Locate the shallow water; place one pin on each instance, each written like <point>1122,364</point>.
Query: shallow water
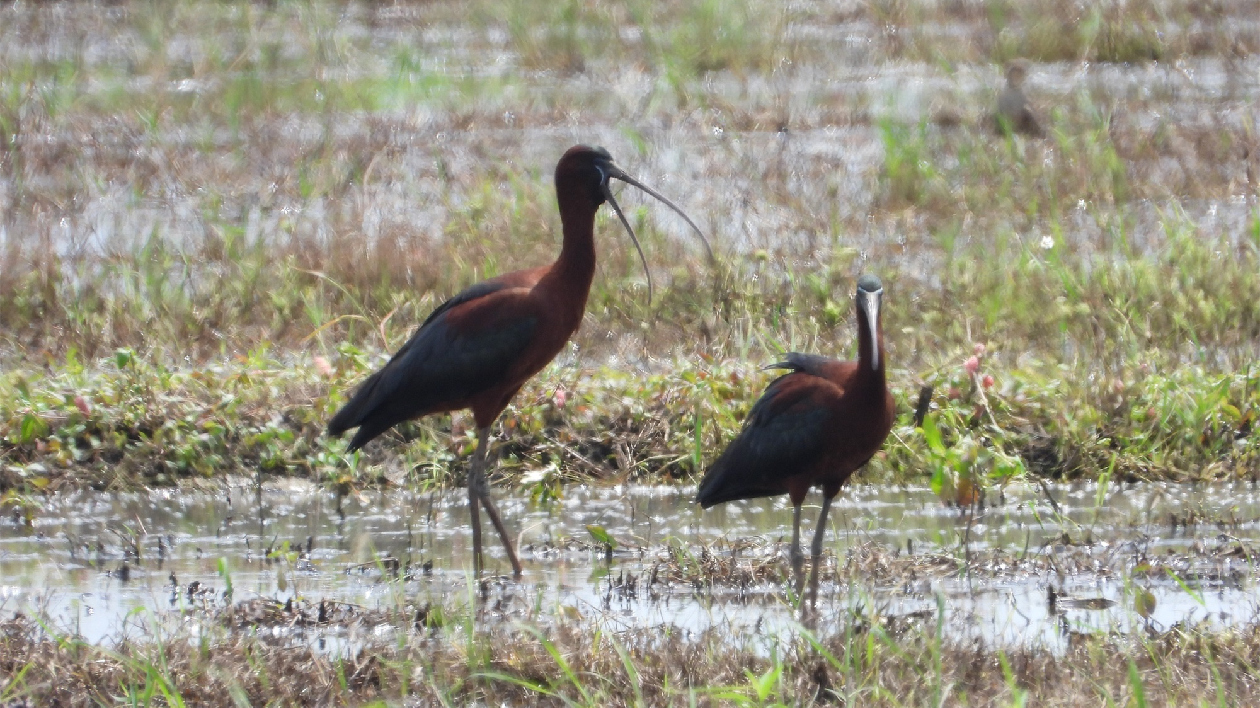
<point>899,552</point>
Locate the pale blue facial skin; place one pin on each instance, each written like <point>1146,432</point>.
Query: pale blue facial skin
<point>870,292</point>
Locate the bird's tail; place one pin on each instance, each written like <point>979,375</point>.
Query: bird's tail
<point>731,478</point>
<point>354,412</point>
<point>712,487</point>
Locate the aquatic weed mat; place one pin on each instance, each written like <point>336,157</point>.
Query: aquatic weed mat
<point>125,421</point>
<point>579,663</point>
<point>1119,554</point>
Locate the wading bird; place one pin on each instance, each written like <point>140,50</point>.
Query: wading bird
<point>1014,113</point>
<point>478,348</point>
<point>814,426</point>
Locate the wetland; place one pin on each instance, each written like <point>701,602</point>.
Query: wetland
<point>217,218</point>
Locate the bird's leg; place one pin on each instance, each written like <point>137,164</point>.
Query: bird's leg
<point>798,558</point>
<point>491,511</point>
<point>816,551</point>
<point>476,480</point>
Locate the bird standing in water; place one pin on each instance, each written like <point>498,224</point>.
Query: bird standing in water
<point>478,348</point>
<point>1014,113</point>
<point>814,426</point>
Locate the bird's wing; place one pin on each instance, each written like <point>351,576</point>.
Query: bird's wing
<point>467,346</point>
<point>468,294</point>
<point>809,363</point>
<point>784,434</point>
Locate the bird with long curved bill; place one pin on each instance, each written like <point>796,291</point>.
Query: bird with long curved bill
<point>814,426</point>
<point>478,348</point>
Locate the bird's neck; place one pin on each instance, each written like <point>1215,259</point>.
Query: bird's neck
<point>575,268</point>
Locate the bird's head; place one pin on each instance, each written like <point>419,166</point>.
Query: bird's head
<point>585,169</point>
<point>591,169</point>
<point>870,292</point>
<point>1016,72</point>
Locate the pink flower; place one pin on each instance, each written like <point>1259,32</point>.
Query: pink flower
<point>559,398</point>
<point>972,365</point>
<point>987,381</point>
<point>323,367</point>
<point>82,404</point>
<point>978,350</point>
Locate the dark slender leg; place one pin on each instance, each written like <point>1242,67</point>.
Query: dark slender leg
<point>483,491</point>
<point>475,481</point>
<point>798,558</point>
<point>816,551</point>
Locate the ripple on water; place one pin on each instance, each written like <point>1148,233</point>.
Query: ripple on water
<point>893,553</point>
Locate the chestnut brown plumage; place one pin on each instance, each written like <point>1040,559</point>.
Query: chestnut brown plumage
<point>814,426</point>
<point>478,348</point>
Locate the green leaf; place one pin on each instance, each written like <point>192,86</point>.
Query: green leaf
<point>1135,681</point>
<point>601,536</point>
<point>72,360</point>
<point>32,427</point>
<point>764,684</point>
<point>938,480</point>
<point>226,574</point>
<point>932,434</point>
<point>1143,602</point>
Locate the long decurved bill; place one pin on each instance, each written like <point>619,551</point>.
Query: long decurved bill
<point>614,171</point>
<point>869,302</point>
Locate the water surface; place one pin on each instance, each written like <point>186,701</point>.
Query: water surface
<point>894,555</point>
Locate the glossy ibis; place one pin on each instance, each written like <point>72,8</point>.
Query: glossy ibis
<point>814,426</point>
<point>1014,113</point>
<point>478,348</point>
